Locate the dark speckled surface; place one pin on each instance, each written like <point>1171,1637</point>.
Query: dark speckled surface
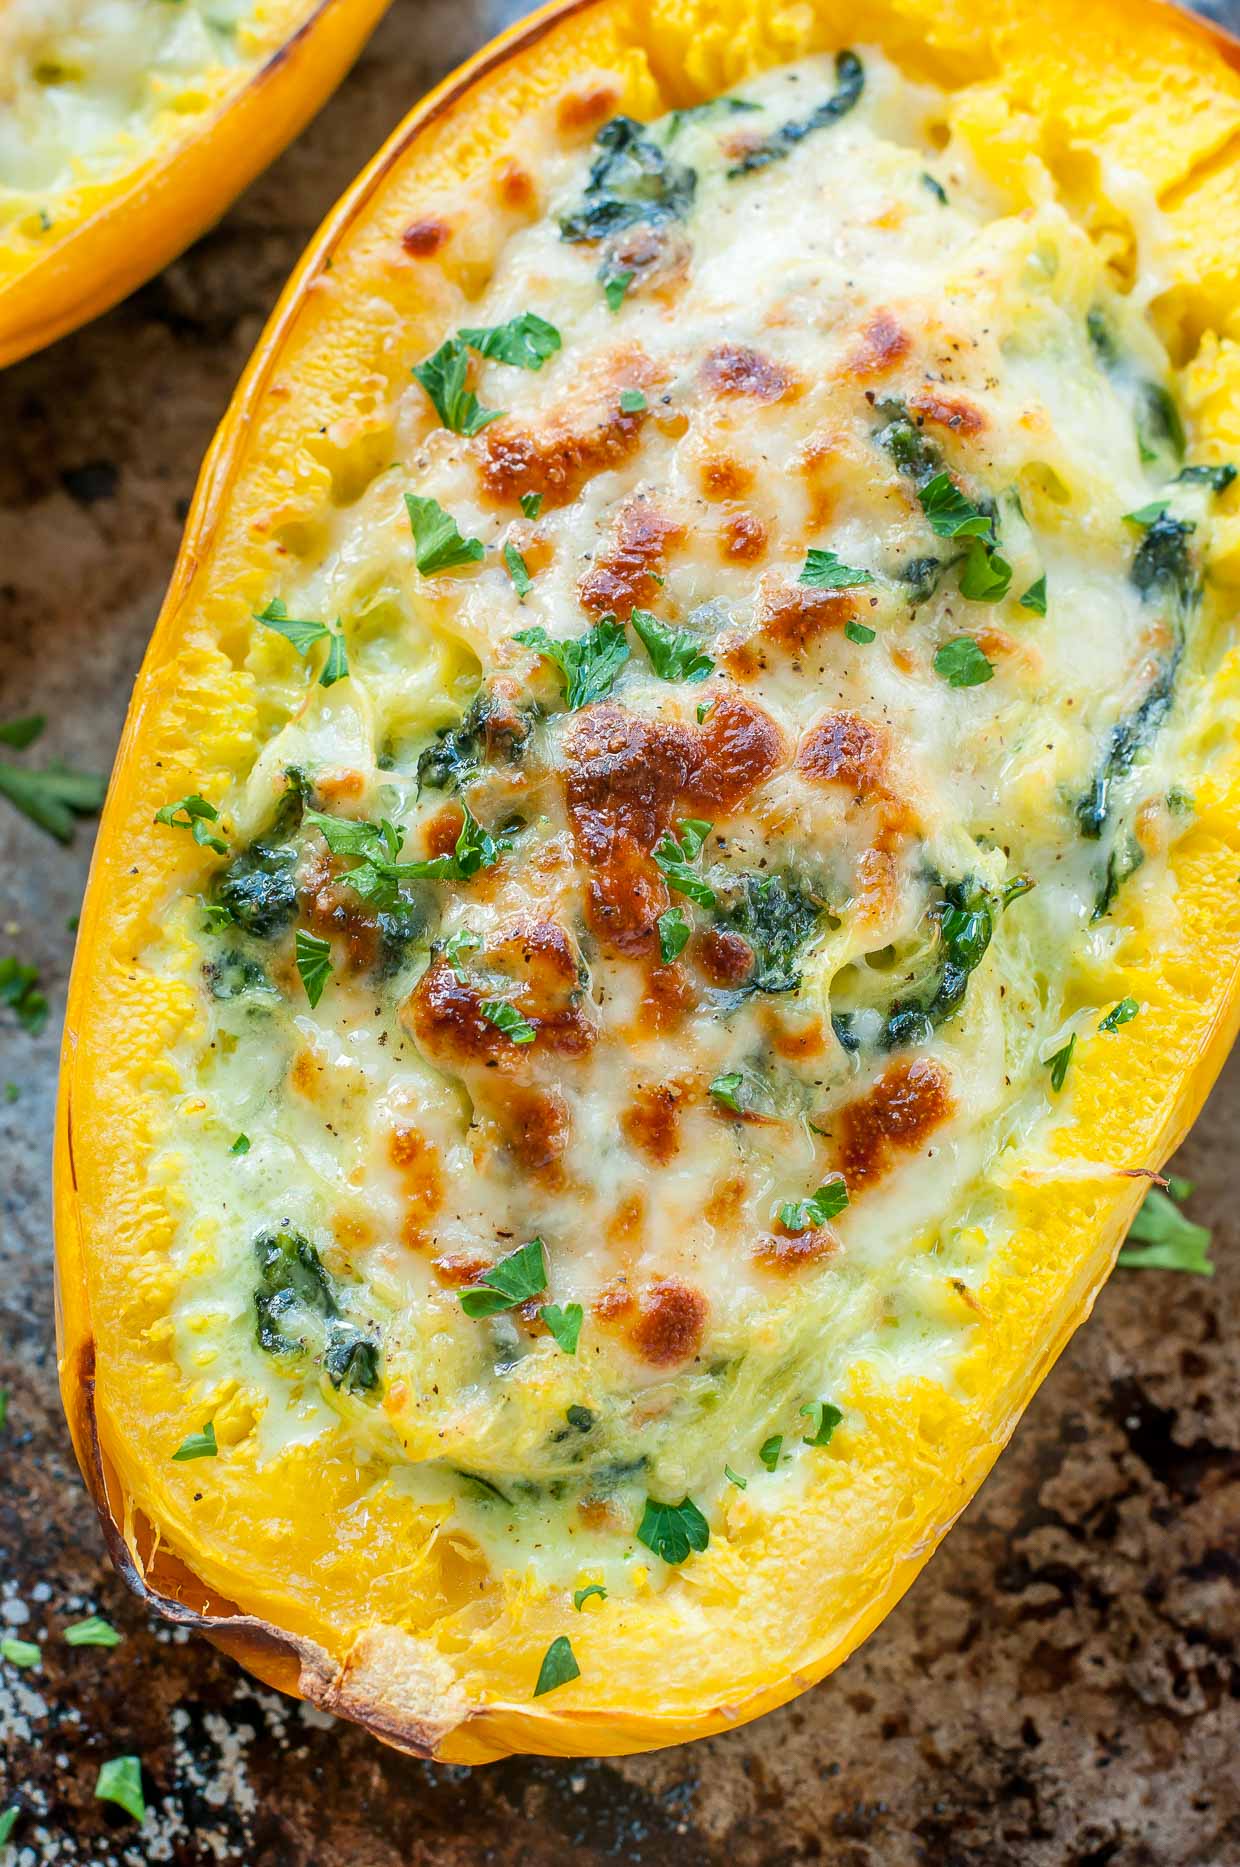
<point>1062,1686</point>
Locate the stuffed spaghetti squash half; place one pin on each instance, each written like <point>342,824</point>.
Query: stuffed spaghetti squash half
<point>673,870</point>
<point>128,126</point>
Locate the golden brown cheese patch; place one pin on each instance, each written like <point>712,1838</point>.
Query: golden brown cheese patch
<point>882,344</point>
<point>625,776</point>
<point>585,436</point>
<point>947,411</point>
<point>895,1116</point>
<point>624,576</point>
<point>417,1161</point>
<point>424,237</point>
<point>844,749</point>
<point>663,1327</point>
<point>652,1121</point>
<point>789,620</point>
<point>735,369</point>
<point>785,1253</point>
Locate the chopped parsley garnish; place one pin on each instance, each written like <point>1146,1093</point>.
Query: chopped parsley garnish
<point>1146,515</point>
<point>675,654</point>
<point>588,663</point>
<point>437,541</point>
<point>949,513</point>
<point>859,632</point>
<point>558,1667</point>
<point>522,582</point>
<point>526,341</point>
<point>827,1203</point>
<point>21,733</point>
<point>197,1446</point>
<point>615,285</point>
<point>304,634</point>
<point>770,1449</point>
<point>241,1145</point>
<point>194,814</point>
<point>531,504</point>
<point>674,932</point>
<point>19,990</point>
<point>515,1279</point>
<point>564,1324</point>
<point>52,797</point>
<point>936,187</point>
<point>742,1484</point>
<point>674,853</point>
<point>506,1018</point>
<point>1035,597</point>
<point>94,1631</point>
<point>377,878</point>
<point>21,1653</point>
<point>120,1781</point>
<point>726,1089</point>
<point>314,963</point>
<point>455,948</point>
<point>849,82</point>
<point>822,570</point>
<point>961,663</point>
<point>823,1420</point>
<point>1058,1064</point>
<point>632,401</point>
<point>986,576</point>
<point>1123,1013</point>
<point>673,1530</point>
<point>443,375</point>
<point>1162,1238</point>
<point>582,1595</point>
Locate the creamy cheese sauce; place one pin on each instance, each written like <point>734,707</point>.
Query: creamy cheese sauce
<point>913,790</point>
<point>83,82</point>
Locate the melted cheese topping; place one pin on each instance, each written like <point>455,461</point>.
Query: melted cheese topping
<point>912,790</point>
<point>87,86</point>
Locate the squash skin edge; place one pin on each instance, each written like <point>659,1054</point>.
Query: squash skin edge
<point>474,1733</point>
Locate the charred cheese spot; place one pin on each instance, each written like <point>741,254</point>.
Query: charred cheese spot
<point>735,369</point>
<point>416,1160</point>
<point>585,437</point>
<point>624,577</point>
<point>897,1115</point>
<point>725,958</point>
<point>742,539</point>
<point>738,748</point>
<point>663,1327</point>
<point>652,1121</point>
<point>790,620</point>
<point>422,238</point>
<point>844,749</point>
<point>948,411</point>
<point>515,186</point>
<point>536,1125</point>
<point>785,1253</point>
<point>586,106</point>
<point>883,343</point>
<point>724,477</point>
<point>443,830</point>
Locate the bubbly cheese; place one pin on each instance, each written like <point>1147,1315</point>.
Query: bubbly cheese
<point>858,503</point>
<point>87,87</point>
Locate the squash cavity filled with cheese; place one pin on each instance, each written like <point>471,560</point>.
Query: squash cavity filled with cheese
<point>668,876</point>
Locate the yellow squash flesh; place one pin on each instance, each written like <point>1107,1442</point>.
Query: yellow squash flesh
<point>1127,85</point>
<point>112,231</point>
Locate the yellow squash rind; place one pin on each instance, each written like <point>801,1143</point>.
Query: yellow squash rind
<point>813,1589</point>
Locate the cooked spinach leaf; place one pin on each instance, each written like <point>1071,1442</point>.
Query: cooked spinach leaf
<point>631,180</point>
<point>849,84</point>
<point>258,889</point>
<point>778,916</point>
